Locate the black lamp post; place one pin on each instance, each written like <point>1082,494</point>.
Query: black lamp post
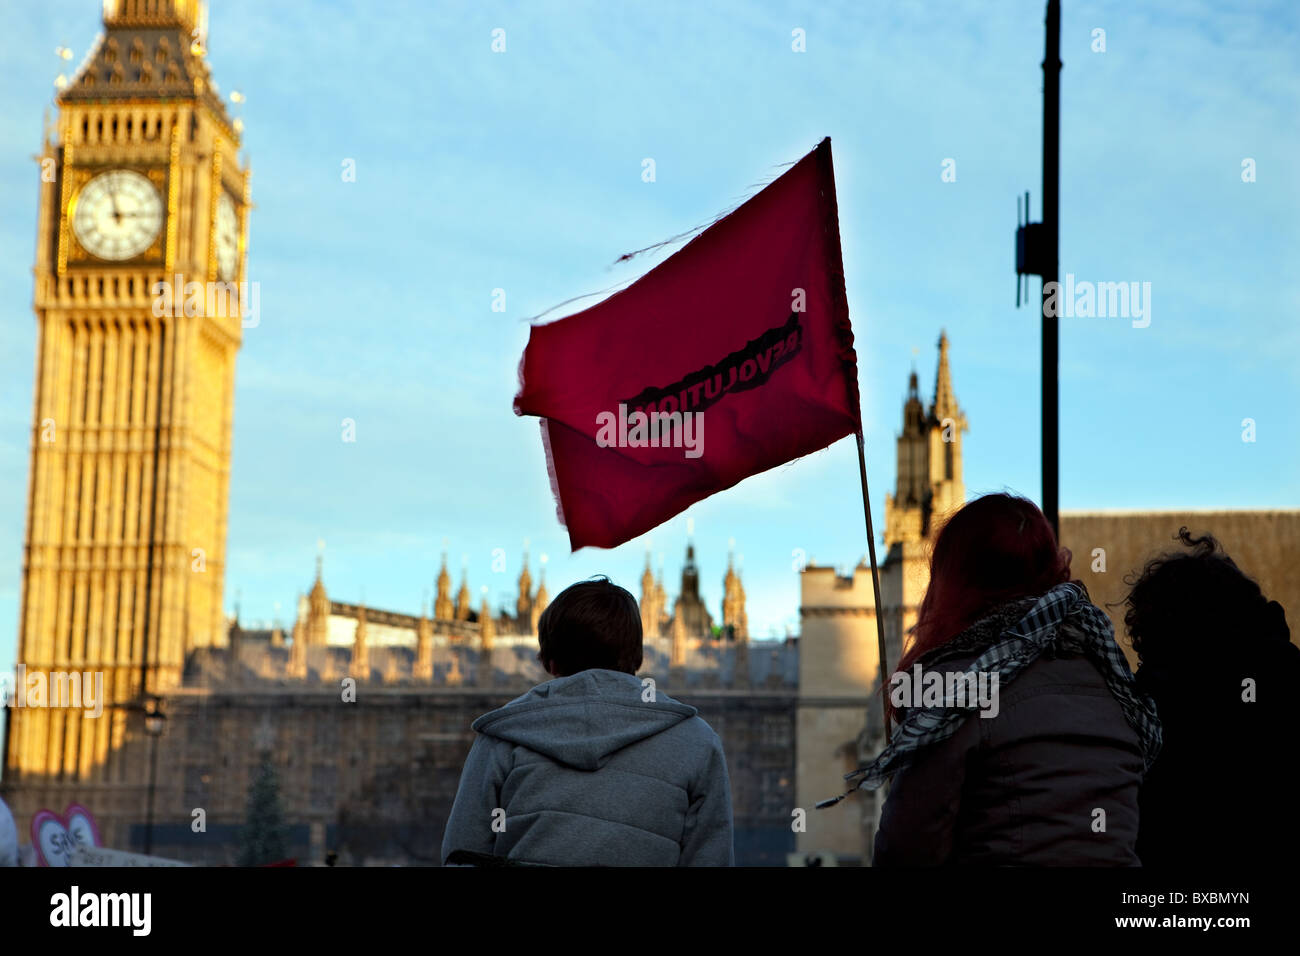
<point>1038,253</point>
<point>154,722</point>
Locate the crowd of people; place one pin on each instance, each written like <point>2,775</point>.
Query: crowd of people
<point>1081,762</point>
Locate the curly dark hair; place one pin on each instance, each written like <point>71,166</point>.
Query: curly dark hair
<point>1186,604</point>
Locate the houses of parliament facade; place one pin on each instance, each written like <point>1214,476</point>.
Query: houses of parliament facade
<point>125,542</point>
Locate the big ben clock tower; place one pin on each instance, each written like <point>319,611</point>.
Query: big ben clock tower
<point>142,202</point>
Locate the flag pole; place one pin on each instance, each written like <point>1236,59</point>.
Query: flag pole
<point>875,578</point>
<point>831,208</point>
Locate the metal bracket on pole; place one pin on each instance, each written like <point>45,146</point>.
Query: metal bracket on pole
<point>1031,248</point>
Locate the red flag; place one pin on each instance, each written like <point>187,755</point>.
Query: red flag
<point>731,357</point>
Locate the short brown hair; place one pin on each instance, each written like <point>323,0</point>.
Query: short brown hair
<point>594,623</point>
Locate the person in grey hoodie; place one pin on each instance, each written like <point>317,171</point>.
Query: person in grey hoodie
<point>595,767</point>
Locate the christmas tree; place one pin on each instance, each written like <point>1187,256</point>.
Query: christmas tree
<point>263,839</point>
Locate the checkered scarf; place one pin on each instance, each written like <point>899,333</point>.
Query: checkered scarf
<point>1008,641</point>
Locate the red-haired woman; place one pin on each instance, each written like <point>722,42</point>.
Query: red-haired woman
<point>1021,738</point>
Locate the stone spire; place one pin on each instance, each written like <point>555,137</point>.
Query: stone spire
<point>651,603</point>
<point>945,403</point>
<point>462,596</point>
<point>424,647</point>
<point>647,578</point>
<point>524,603</point>
<point>234,667</point>
<point>318,605</point>
<point>442,606</point>
<point>661,600</point>
<point>688,606</point>
<point>690,574</point>
<point>487,634</point>
<point>678,658</point>
<point>454,677</point>
<point>947,422</point>
<point>360,665</point>
<point>733,599</point>
<point>487,628</point>
<point>298,652</point>
<point>929,470</point>
<point>392,669</point>
<point>677,654</point>
<point>542,599</point>
<point>913,472</point>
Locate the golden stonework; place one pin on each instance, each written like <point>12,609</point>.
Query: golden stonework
<point>73,251</point>
<point>125,542</point>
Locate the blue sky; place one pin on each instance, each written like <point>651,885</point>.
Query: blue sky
<point>522,171</point>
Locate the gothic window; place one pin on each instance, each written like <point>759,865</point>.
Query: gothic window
<point>776,731</point>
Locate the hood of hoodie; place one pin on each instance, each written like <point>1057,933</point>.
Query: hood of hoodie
<point>583,719</point>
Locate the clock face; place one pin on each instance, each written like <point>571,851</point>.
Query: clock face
<point>227,237</point>
<point>117,215</point>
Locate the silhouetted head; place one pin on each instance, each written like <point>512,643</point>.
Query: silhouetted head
<point>1188,607</point>
<point>593,623</point>
<point>995,549</point>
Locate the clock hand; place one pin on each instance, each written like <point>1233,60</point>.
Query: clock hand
<point>112,197</point>
<point>134,214</point>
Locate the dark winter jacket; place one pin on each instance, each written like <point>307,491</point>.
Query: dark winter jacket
<point>585,771</point>
<point>1221,793</point>
<point>1051,780</point>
